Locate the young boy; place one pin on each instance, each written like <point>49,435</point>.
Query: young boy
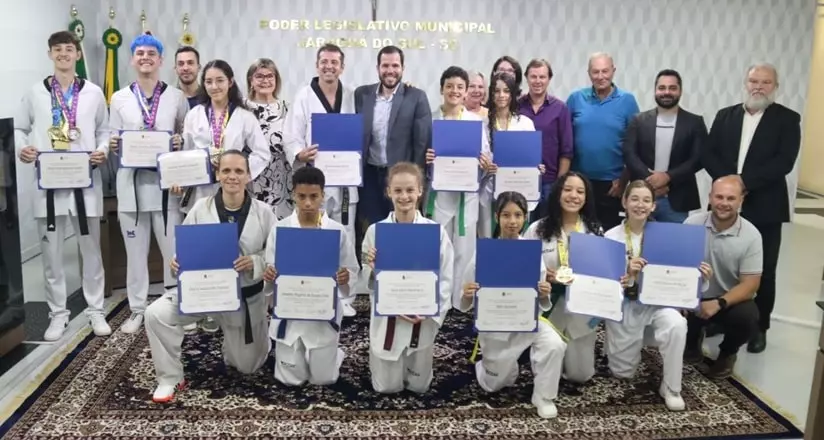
<point>308,350</point>
<point>66,113</point>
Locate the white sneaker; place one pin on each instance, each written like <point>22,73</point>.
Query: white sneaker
<point>547,410</point>
<point>190,328</point>
<point>209,325</point>
<point>166,393</point>
<point>132,325</point>
<point>57,327</point>
<point>672,399</point>
<point>348,310</point>
<point>99,325</point>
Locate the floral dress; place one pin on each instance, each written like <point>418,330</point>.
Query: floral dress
<point>274,185</point>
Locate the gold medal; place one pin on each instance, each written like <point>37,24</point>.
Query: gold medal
<point>58,138</point>
<point>564,275</point>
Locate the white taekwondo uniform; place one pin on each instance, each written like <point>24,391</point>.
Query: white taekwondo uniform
<point>460,222</point>
<point>580,330</point>
<point>487,197</point>
<point>55,210</point>
<point>661,327</point>
<point>245,333</point>
<point>400,354</point>
<point>242,133</point>
<point>499,367</point>
<point>142,206</point>
<point>308,350</point>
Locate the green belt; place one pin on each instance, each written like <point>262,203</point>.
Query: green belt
<point>430,209</point>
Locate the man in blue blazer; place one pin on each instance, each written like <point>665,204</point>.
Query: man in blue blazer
<point>397,128</point>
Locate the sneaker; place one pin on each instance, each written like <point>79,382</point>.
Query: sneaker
<point>547,410</point>
<point>99,325</point>
<point>348,310</point>
<point>672,399</point>
<point>57,327</point>
<point>132,325</point>
<point>166,393</point>
<point>209,325</point>
<point>190,328</point>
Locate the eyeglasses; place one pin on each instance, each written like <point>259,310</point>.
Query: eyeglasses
<point>261,77</point>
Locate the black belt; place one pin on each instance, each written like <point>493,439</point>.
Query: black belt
<point>282,327</point>
<point>631,292</point>
<point>344,208</point>
<point>165,203</point>
<point>249,292</point>
<point>80,202</point>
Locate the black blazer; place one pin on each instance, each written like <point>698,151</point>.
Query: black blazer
<point>685,157</point>
<point>771,156</point>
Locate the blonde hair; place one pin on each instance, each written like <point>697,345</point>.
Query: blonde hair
<point>262,63</point>
<point>635,184</point>
<point>404,167</point>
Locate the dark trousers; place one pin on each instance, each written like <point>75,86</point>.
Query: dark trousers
<point>765,298</point>
<point>608,208</point>
<point>738,322</point>
<point>373,203</point>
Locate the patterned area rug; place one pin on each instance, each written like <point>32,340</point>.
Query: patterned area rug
<point>103,391</point>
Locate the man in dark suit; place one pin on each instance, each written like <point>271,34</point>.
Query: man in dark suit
<point>397,128</point>
<point>663,147</point>
<point>759,141</point>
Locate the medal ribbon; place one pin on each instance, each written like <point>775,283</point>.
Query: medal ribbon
<point>630,250</point>
<point>66,103</point>
<point>218,131</point>
<point>563,252</point>
<point>149,113</point>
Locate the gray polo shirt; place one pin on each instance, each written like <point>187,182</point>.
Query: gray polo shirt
<point>733,252</point>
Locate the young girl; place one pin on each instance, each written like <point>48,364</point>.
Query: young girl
<point>503,116</point>
<point>571,209</point>
<point>499,367</point>
<point>221,122</point>
<point>395,361</point>
<point>669,329</point>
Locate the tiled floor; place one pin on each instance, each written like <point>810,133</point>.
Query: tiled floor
<point>782,374</point>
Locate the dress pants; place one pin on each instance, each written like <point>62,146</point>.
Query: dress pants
<point>765,297</point>
<point>739,322</point>
<point>608,208</point>
<point>164,327</point>
<point>137,239</point>
<point>51,246</point>
<point>499,366</point>
<point>659,327</point>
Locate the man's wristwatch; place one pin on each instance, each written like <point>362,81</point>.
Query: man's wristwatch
<point>722,303</point>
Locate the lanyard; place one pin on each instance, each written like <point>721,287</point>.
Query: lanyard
<point>563,242</point>
<point>149,110</point>
<point>630,250</point>
<point>64,104</point>
<point>218,130</point>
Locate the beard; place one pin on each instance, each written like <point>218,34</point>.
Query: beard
<point>759,102</point>
<point>667,101</point>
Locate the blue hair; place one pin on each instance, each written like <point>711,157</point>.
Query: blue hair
<point>147,39</point>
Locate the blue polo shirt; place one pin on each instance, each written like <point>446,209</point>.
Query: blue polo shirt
<point>598,129</point>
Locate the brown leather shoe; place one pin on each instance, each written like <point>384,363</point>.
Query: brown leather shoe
<point>723,366</point>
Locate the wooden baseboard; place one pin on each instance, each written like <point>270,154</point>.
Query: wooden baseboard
<point>11,339</point>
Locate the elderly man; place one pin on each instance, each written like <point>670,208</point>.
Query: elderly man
<point>758,141</point>
<point>734,252</point>
<point>600,116</point>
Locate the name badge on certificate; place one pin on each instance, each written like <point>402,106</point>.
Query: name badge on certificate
<point>670,286</point>
<point>341,168</point>
<point>520,180</point>
<point>184,168</point>
<point>506,310</point>
<point>209,291</point>
<point>455,174</point>
<point>139,149</point>
<point>407,293</point>
<point>305,298</point>
<point>64,170</point>
<point>598,297</point>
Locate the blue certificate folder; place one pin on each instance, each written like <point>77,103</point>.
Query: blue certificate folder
<point>39,175</point>
<point>674,244</point>
<point>455,138</point>
<point>517,149</point>
<point>206,247</point>
<point>337,131</point>
<point>413,247</point>
<point>596,256</point>
<point>307,253</point>
<point>508,264</point>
